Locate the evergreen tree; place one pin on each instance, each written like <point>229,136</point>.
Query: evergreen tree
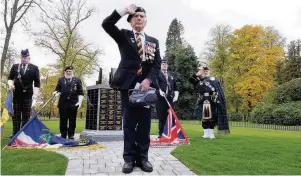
<point>186,65</point>
<point>174,38</point>
<point>293,63</point>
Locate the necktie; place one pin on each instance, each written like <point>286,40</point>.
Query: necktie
<point>166,77</point>
<point>23,69</point>
<point>140,49</point>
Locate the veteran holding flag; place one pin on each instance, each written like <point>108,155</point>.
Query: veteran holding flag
<point>168,88</point>
<point>20,81</point>
<point>70,90</point>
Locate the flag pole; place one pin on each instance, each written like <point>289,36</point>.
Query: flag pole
<point>164,94</point>
<point>50,99</point>
<point>173,112</point>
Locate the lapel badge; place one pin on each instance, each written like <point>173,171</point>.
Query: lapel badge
<point>133,40</point>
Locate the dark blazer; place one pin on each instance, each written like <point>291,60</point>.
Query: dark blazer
<point>126,74</point>
<point>163,83</point>
<point>69,90</point>
<point>31,75</point>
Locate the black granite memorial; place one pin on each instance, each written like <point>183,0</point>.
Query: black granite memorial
<point>103,113</point>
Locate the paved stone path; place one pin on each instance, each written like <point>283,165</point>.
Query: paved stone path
<point>109,161</point>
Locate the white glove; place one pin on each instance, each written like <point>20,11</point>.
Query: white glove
<point>161,93</point>
<point>80,101</point>
<point>34,101</point>
<point>36,91</point>
<point>176,96</point>
<point>35,96</point>
<point>56,93</point>
<point>10,84</point>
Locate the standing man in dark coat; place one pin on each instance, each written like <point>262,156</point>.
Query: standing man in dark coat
<point>71,97</point>
<point>25,96</point>
<point>139,67</point>
<point>168,88</point>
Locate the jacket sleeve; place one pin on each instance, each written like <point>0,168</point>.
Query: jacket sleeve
<point>37,82</point>
<point>175,85</point>
<point>153,74</point>
<point>109,25</point>
<point>80,90</point>
<point>11,73</point>
<point>58,86</point>
<point>194,79</point>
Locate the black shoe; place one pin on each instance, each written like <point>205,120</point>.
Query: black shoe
<point>145,166</point>
<point>160,135</point>
<point>71,137</point>
<point>128,167</point>
<point>63,136</point>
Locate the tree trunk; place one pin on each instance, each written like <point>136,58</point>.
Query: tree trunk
<point>5,49</point>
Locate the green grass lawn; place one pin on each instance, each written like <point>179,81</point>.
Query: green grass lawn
<point>246,151</point>
<point>33,161</point>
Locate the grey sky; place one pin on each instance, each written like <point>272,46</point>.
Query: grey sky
<point>197,17</point>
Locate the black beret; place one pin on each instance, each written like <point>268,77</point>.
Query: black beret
<point>164,60</point>
<point>68,68</point>
<point>139,9</point>
<point>203,66</point>
<point>206,68</point>
<point>25,53</point>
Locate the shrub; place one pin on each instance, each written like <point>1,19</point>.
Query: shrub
<point>290,91</point>
<point>279,114</point>
<point>236,117</point>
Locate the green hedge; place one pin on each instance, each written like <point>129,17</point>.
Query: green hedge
<point>279,114</point>
<point>236,117</point>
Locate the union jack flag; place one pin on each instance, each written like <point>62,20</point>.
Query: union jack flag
<point>173,133</point>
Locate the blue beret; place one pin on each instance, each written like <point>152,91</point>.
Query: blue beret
<point>25,53</point>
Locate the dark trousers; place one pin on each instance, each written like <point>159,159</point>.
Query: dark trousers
<point>67,112</point>
<point>136,129</point>
<point>22,109</point>
<point>162,112</point>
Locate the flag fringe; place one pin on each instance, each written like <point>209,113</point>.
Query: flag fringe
<point>88,147</point>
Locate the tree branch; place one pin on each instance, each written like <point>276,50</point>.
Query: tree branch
<point>24,11</point>
<point>20,7</point>
<point>46,44</point>
<point>5,15</point>
<point>78,51</point>
<point>40,7</point>
<point>53,34</point>
<point>89,13</point>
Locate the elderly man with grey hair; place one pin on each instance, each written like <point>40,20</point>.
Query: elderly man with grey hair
<point>139,67</point>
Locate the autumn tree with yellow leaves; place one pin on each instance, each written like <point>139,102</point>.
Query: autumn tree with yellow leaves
<point>254,52</point>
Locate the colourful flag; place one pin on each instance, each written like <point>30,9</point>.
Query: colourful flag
<point>173,133</point>
<point>8,109</point>
<point>36,135</point>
